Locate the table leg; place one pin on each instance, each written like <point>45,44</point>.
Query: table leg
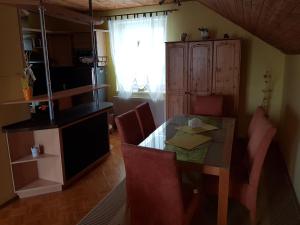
<point>223,197</point>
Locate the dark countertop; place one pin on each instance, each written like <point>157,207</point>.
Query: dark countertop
<point>61,118</point>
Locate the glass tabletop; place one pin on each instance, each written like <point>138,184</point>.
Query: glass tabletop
<point>215,153</point>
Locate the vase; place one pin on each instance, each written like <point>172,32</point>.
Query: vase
<point>27,92</point>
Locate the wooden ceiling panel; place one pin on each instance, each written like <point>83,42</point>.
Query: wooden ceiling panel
<point>274,21</point>
<point>102,5</point>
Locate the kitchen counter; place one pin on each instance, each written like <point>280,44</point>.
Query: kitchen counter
<point>61,118</point>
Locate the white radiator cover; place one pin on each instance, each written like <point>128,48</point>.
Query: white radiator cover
<point>122,105</point>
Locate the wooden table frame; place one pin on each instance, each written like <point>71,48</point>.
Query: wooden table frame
<point>222,172</point>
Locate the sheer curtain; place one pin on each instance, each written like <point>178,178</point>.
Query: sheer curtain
<point>138,54</point>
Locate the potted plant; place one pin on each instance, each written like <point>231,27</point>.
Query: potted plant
<point>204,33</point>
<point>27,79</point>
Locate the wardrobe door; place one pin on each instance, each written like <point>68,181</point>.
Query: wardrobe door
<point>176,79</point>
<point>176,104</point>
<point>200,70</point>
<point>226,73</point>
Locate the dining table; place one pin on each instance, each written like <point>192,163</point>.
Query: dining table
<point>212,157</point>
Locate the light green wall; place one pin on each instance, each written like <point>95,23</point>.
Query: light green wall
<point>289,130</point>
<point>11,65</point>
<point>257,56</point>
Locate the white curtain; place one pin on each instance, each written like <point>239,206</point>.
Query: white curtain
<point>138,53</point>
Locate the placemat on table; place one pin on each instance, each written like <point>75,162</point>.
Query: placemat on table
<point>203,128</point>
<point>187,141</point>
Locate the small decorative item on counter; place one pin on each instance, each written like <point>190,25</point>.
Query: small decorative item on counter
<point>35,151</point>
<point>39,109</point>
<point>204,33</point>
<point>226,36</point>
<point>183,36</point>
<point>27,79</point>
<point>87,59</point>
<point>194,123</point>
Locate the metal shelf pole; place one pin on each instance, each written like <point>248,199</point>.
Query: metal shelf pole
<point>46,59</point>
<point>95,61</point>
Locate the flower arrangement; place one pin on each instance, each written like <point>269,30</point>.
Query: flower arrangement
<point>27,79</point>
<point>267,91</point>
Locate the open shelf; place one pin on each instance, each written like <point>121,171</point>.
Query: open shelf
<point>29,158</point>
<point>58,94</point>
<point>33,30</point>
<point>40,186</point>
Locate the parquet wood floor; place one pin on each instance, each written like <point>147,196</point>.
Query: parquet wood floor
<point>277,203</point>
<point>69,206</point>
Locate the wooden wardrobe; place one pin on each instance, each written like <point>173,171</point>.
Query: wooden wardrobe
<point>210,67</point>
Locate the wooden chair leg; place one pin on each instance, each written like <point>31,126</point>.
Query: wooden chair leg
<point>253,216</point>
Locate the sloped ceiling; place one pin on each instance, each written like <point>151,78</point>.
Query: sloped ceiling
<point>274,21</point>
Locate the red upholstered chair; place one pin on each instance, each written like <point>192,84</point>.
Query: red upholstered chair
<point>145,118</point>
<point>240,148</point>
<point>259,113</point>
<point>154,189</point>
<point>129,128</point>
<point>207,105</point>
<point>244,177</point>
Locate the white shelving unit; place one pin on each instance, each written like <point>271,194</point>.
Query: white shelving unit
<point>40,175</point>
<point>44,174</point>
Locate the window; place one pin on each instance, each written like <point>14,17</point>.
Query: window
<point>138,53</point>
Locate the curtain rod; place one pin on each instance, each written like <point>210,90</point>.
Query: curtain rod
<point>165,12</point>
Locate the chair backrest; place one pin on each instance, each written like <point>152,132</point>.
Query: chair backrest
<point>207,105</point>
<point>259,112</point>
<point>153,186</point>
<point>129,128</point>
<point>145,119</point>
<point>258,146</point>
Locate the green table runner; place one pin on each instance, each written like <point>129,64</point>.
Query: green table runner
<point>187,141</point>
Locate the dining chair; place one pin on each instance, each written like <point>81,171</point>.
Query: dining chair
<point>259,113</point>
<point>238,152</point>
<point>244,177</point>
<point>145,119</point>
<point>208,105</point>
<point>154,192</point>
<point>129,128</point>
